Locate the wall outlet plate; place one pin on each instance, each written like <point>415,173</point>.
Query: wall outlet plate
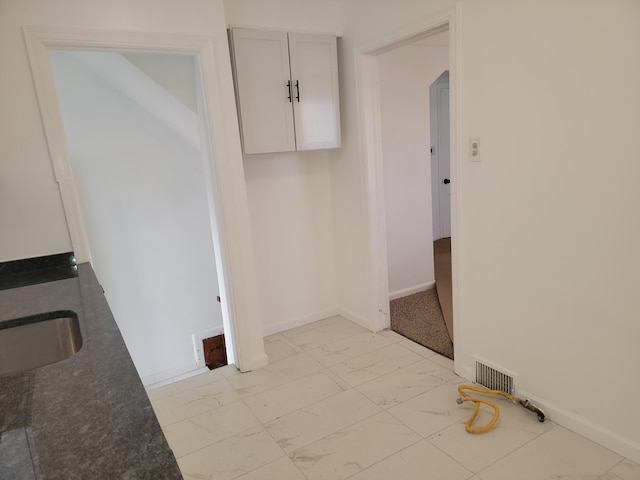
<point>474,149</point>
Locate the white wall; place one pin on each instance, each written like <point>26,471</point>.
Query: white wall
<point>144,201</point>
<point>405,76</point>
<point>547,255</point>
<point>289,194</point>
<point>290,207</point>
<point>31,212</point>
<point>548,221</point>
<point>171,72</point>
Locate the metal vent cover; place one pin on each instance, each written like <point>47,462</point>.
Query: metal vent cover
<point>494,379</point>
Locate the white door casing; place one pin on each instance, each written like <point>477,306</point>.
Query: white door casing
<point>226,189</point>
<point>368,106</point>
<point>137,157</point>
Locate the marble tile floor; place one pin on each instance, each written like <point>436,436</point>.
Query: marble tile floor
<point>338,402</point>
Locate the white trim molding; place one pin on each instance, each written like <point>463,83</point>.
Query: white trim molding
<point>224,168</point>
<point>628,447</point>
<point>298,322</point>
<point>411,290</point>
<point>369,126</point>
<point>363,322</point>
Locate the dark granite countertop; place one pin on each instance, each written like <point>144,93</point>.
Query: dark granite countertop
<point>86,417</point>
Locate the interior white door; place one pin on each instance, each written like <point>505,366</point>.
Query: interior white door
<point>443,161</point>
<point>440,156</point>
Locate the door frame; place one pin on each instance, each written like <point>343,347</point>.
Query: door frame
<point>224,176</point>
<point>369,120</point>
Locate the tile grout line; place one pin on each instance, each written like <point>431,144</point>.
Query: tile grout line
<point>345,387</point>
<point>263,424</point>
<point>329,434</point>
<point>199,413</point>
<point>455,459</point>
<point>387,457</point>
<point>381,409</point>
<point>616,465</point>
<point>224,440</point>
<point>324,368</point>
<point>514,451</point>
<point>350,387</point>
<point>328,367</point>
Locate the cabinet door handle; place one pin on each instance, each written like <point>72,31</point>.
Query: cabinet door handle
<point>297,91</point>
<point>289,88</point>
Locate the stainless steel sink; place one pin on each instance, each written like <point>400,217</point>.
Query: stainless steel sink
<point>37,340</point>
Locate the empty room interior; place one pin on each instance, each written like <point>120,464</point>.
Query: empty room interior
<point>259,239</point>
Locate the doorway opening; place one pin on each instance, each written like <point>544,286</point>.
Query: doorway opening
<point>223,178</point>
<point>402,269</point>
<point>133,123</point>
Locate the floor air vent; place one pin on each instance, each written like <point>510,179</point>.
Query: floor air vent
<point>494,379</point>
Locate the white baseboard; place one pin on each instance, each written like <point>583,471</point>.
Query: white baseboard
<point>411,290</point>
<point>464,371</point>
<point>623,446</point>
<point>298,322</point>
<point>314,317</point>
<point>349,315</point>
<point>173,375</point>
<point>256,362</point>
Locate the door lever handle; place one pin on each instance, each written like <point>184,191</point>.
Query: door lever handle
<point>446,181</point>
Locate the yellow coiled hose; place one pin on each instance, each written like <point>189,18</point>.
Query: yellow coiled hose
<point>464,397</point>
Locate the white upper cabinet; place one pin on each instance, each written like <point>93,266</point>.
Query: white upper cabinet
<point>314,74</point>
<point>287,90</point>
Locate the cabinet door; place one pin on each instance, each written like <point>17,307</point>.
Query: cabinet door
<point>261,61</point>
<point>314,73</point>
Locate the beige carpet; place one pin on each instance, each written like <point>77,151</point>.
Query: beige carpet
<point>425,317</point>
<point>419,318</point>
